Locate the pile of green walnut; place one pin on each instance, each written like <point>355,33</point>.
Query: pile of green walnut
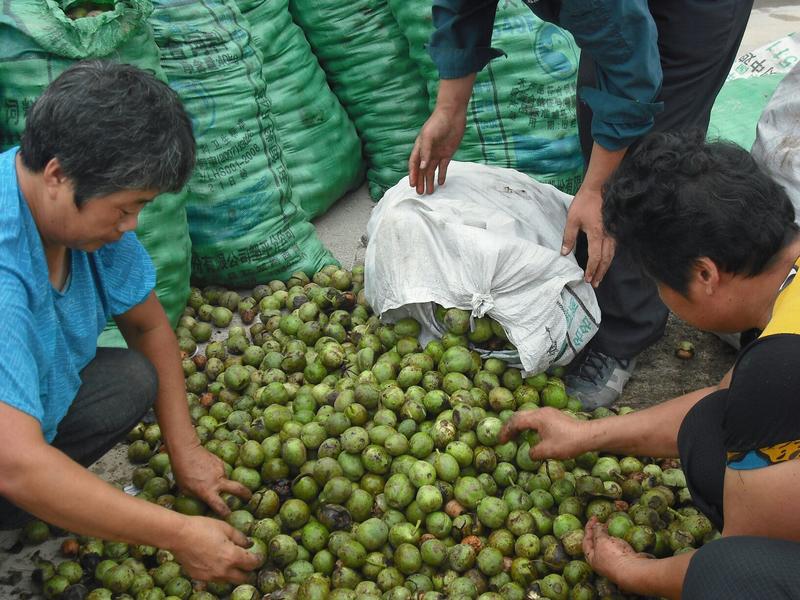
<point>481,332</point>
<point>375,464</point>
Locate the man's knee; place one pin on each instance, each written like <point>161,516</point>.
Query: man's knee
<point>119,387</point>
<point>707,571</point>
<point>132,391</point>
<point>743,567</point>
<point>142,376</point>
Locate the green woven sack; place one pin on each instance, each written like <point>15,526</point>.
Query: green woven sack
<point>244,224</point>
<point>522,111</point>
<point>39,42</point>
<point>753,78</point>
<point>365,56</point>
<point>738,107</point>
<point>320,145</point>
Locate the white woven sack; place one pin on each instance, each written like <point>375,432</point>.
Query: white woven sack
<point>777,145</point>
<point>487,241</point>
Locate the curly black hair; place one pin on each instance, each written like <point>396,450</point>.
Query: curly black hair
<point>678,198</point>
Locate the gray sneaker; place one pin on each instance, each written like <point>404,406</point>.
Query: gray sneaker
<point>600,379</point>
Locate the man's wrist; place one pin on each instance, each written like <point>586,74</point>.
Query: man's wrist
<point>174,541</point>
<point>177,431</point>
<point>602,164</point>
<point>595,435</point>
<point>181,444</point>
<point>454,94</point>
<point>451,109</point>
<point>661,577</point>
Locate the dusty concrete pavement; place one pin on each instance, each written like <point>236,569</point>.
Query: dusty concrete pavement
<point>770,20</point>
<point>660,375</point>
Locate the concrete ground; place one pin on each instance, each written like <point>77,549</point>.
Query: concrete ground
<point>770,20</point>
<point>660,375</point>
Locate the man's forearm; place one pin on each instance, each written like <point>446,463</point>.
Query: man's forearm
<point>48,484</point>
<point>454,94</point>
<point>602,165</point>
<point>662,577</point>
<point>649,432</point>
<point>160,346</point>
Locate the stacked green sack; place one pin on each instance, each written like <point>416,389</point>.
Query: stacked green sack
<point>320,145</point>
<point>365,56</point>
<point>748,88</point>
<point>39,41</point>
<point>243,221</point>
<point>522,111</point>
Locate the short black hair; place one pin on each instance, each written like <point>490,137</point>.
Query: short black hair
<point>678,198</point>
<point>113,127</point>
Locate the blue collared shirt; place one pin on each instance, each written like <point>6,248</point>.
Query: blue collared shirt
<point>48,336</point>
<point>621,38</point>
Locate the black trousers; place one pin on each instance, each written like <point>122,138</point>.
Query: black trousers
<point>744,568</point>
<point>736,568</point>
<point>698,41</point>
<point>117,388</point>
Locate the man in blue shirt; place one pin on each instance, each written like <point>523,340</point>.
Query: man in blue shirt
<point>644,66</point>
<point>99,144</point>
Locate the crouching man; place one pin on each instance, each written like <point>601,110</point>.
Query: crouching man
<point>100,143</point>
<point>718,237</point>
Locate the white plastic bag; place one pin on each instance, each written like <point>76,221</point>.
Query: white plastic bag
<point>777,145</point>
<point>488,241</point>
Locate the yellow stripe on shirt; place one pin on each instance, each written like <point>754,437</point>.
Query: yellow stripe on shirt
<point>786,312</point>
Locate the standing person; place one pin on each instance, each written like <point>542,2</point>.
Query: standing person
<point>100,143</point>
<point>644,66</point>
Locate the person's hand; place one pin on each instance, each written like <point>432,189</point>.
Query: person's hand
<point>585,214</point>
<point>201,474</point>
<point>561,436</point>
<point>434,147</point>
<point>609,556</point>
<point>212,550</point>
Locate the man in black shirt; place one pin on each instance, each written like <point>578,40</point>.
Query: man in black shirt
<point>718,237</point>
